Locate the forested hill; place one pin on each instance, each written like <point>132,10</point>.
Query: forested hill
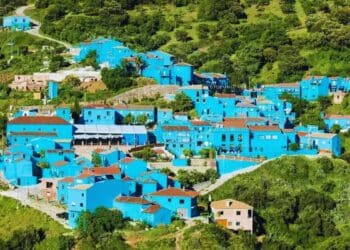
<point>252,41</point>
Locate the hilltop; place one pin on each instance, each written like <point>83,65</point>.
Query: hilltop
<point>252,41</point>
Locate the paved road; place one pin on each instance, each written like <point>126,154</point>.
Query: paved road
<point>36,27</point>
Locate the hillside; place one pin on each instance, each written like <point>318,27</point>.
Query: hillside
<point>298,202</point>
<point>252,41</point>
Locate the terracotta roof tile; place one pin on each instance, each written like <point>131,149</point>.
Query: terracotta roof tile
<point>60,163</point>
<point>99,150</point>
<point>131,199</point>
<point>67,179</point>
<point>175,128</point>
<point>39,120</point>
<point>28,133</point>
<point>175,192</point>
<point>127,160</point>
<point>200,123</point>
<point>152,209</point>
<point>337,117</point>
<point>264,128</point>
<point>225,95</point>
<point>93,106</point>
<point>99,171</point>
<point>230,203</point>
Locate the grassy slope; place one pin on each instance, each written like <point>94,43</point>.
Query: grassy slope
<point>15,216</point>
<point>288,174</point>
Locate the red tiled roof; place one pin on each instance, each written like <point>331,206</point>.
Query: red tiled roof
<point>302,133</point>
<point>60,163</point>
<point>264,128</point>
<point>38,120</point>
<point>127,160</point>
<point>127,178</point>
<point>175,192</point>
<point>245,104</point>
<point>159,151</point>
<point>200,123</point>
<point>316,77</point>
<point>152,209</point>
<point>217,75</point>
<point>337,117</point>
<point>225,95</point>
<point>99,150</point>
<point>67,179</point>
<point>240,122</point>
<point>28,133</point>
<point>130,199</point>
<point>98,171</point>
<point>176,128</point>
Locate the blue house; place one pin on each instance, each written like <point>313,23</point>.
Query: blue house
<point>342,120</point>
<point>88,197</point>
<point>15,23</point>
<point>323,142</point>
<point>136,111</point>
<point>22,130</point>
<point>140,209</point>
<point>273,91</point>
<point>98,114</point>
<point>110,157</point>
<point>64,112</point>
<point>164,115</point>
<point>212,80</point>
<point>182,203</point>
<point>313,87</point>
<point>132,167</point>
<point>53,90</point>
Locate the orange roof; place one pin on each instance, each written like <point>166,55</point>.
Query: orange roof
<point>176,192</point>
<point>34,133</point>
<point>240,122</point>
<point>322,135</point>
<point>337,117</point>
<point>99,150</point>
<point>130,199</point>
<point>200,123</point>
<point>159,151</point>
<point>98,171</point>
<point>225,95</point>
<point>230,203</point>
<point>264,128</point>
<point>60,163</point>
<point>67,179</point>
<point>127,160</point>
<point>38,120</point>
<point>152,209</point>
<point>127,178</point>
<point>176,128</point>
<point>302,133</point>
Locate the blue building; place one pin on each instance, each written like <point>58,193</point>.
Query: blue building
<point>273,91</point>
<point>133,167</point>
<point>140,209</point>
<point>212,80</point>
<point>342,120</point>
<point>323,142</point>
<point>182,203</point>
<point>53,90</point>
<point>16,23</point>
<point>313,87</point>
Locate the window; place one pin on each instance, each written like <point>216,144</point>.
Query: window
<point>232,137</point>
<point>238,223</point>
<point>108,113</point>
<point>169,199</point>
<point>220,213</point>
<point>81,204</point>
<point>49,184</point>
<point>98,117</point>
<point>182,201</point>
<point>89,112</point>
<point>240,137</point>
<point>238,212</point>
<point>223,137</point>
<point>82,194</point>
<point>249,213</point>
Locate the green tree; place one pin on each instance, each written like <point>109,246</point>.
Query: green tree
<point>182,103</point>
<point>129,119</point>
<point>76,110</point>
<point>141,119</point>
<point>187,153</point>
<point>96,159</point>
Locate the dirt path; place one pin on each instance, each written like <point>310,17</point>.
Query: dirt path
<point>36,27</point>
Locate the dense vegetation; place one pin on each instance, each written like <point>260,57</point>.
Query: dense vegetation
<point>297,202</point>
<point>250,40</point>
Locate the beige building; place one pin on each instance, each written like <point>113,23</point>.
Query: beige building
<point>232,214</point>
